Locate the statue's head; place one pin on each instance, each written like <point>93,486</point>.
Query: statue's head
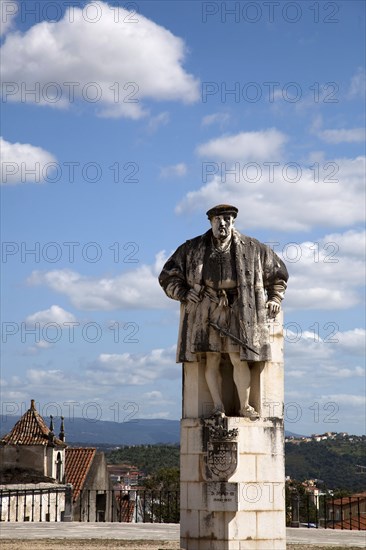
<point>222,219</point>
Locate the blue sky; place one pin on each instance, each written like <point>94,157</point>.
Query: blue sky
<point>122,123</point>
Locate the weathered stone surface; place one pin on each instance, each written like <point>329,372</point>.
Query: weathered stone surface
<point>190,468</point>
<point>222,496</point>
<point>252,517</point>
<point>266,497</point>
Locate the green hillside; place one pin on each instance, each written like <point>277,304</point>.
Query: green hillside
<point>335,462</point>
<point>148,458</point>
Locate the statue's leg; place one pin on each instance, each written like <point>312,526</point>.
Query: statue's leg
<point>214,379</point>
<point>242,376</point>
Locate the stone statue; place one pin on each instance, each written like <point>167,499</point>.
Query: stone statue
<point>229,285</point>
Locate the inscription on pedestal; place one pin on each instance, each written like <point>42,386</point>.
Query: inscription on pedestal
<point>222,496</point>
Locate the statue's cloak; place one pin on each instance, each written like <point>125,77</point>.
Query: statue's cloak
<point>261,276</point>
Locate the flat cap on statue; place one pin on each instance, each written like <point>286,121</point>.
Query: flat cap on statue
<point>221,210</point>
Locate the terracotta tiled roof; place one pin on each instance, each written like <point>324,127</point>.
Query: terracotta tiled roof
<point>78,461</point>
<point>347,500</point>
<point>31,429</point>
<point>125,508</point>
<point>355,524</point>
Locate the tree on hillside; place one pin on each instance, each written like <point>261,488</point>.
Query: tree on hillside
<point>335,462</point>
<point>148,458</point>
<point>307,510</point>
<point>162,496</point>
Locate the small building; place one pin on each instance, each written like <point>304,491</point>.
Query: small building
<point>42,479</point>
<point>32,475</point>
<point>126,503</point>
<point>87,472</point>
<point>31,446</point>
<point>125,473</point>
<point>348,512</point>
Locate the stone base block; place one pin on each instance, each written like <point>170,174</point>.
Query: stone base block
<point>233,480</point>
<point>225,544</point>
<point>245,511</point>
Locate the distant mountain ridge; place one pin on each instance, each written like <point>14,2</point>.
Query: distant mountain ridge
<point>138,431</point>
<point>133,432</point>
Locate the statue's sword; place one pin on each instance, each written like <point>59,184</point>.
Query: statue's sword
<point>225,332</point>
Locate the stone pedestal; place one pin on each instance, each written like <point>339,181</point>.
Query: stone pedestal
<point>232,469</point>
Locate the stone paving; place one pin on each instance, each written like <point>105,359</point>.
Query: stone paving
<point>99,544</point>
<point>163,532</point>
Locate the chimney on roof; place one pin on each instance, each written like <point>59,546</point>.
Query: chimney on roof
<point>33,406</point>
<point>62,430</point>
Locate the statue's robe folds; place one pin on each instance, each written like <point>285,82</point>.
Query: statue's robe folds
<point>261,276</point>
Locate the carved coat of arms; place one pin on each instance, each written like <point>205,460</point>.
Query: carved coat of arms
<point>222,450</point>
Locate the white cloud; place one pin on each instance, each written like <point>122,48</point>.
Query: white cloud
<point>358,84</point>
<point>174,171</point>
<point>157,398</point>
<point>343,135</point>
<point>284,196</point>
<point>45,383</point>
<point>44,377</point>
<point>303,352</point>
<point>37,348</point>
<point>24,163</point>
<point>245,146</point>
<point>350,400</point>
<point>316,156</point>
<point>296,374</point>
<point>135,369</point>
<point>162,414</point>
<point>319,297</point>
<point>55,318</point>
<point>346,372</point>
<point>8,12</point>
<point>135,289</point>
<point>326,347</point>
<point>320,377</point>
<point>353,341</point>
<point>48,325</point>
<point>334,372</point>
<point>156,121</point>
<point>111,385</point>
<point>336,135</point>
<point>55,314</point>
<point>326,274</point>
<point>320,374</point>
<point>154,395</point>
<point>351,243</point>
<point>216,118</point>
<point>110,62</point>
